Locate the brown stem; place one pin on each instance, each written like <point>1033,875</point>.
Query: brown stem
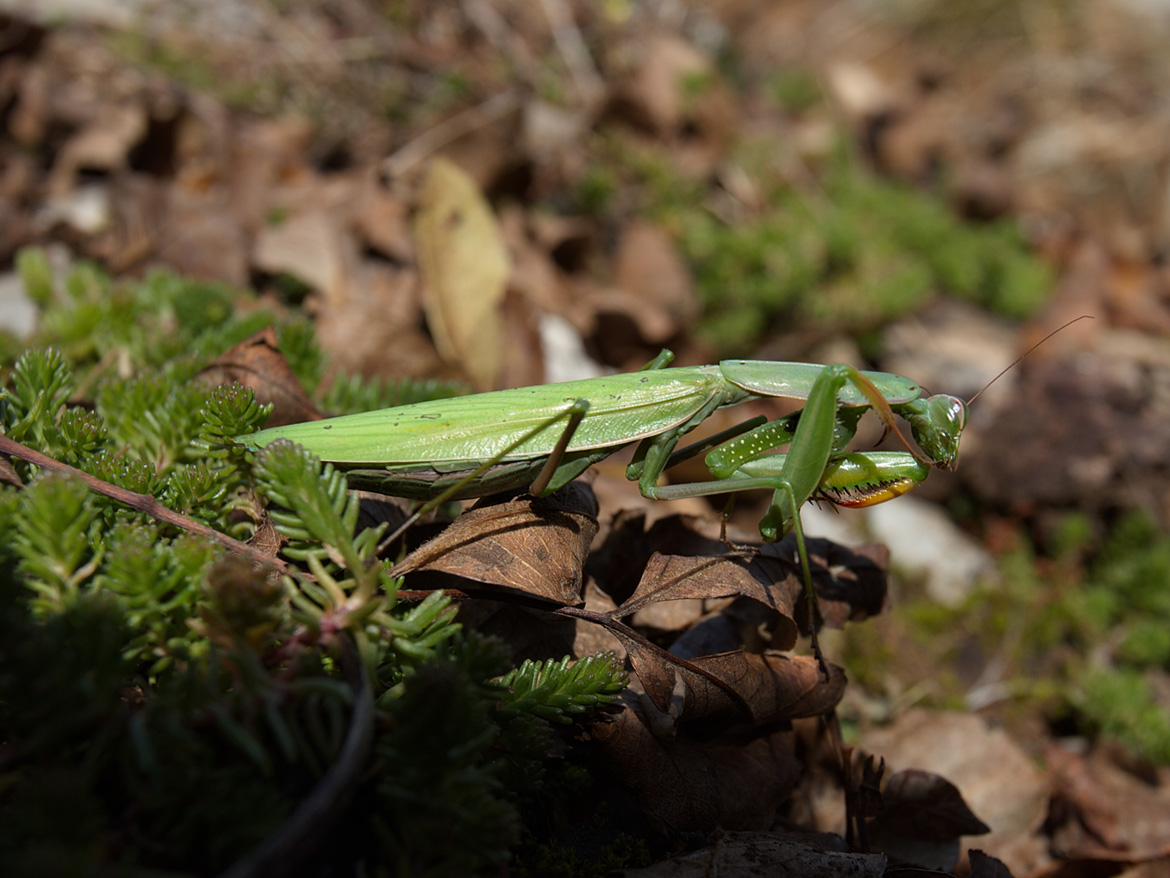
<point>143,503</point>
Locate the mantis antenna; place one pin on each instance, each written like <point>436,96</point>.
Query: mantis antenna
<point>1028,353</point>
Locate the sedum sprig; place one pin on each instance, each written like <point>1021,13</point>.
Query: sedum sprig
<point>41,384</point>
<point>556,690</point>
<point>57,539</point>
<point>351,589</point>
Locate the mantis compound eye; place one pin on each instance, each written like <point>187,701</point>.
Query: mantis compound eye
<point>958,412</point>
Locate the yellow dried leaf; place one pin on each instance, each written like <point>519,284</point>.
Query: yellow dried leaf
<point>465,269</point>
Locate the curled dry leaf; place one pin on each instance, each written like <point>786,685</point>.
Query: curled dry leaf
<point>532,546</point>
<point>678,577</point>
<point>997,776</point>
<point>733,685</point>
<point>682,783</point>
<point>651,271</point>
<point>777,686</point>
<point>850,581</point>
<point>922,804</point>
<point>257,362</point>
<point>923,819</point>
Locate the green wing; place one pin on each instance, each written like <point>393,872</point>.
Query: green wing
<point>622,409</point>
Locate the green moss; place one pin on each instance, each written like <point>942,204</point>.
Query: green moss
<point>1120,705</point>
<point>795,90</point>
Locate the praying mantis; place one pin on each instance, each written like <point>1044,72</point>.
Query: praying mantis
<point>543,437</point>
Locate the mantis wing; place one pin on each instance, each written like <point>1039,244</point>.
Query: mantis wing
<point>622,409</point>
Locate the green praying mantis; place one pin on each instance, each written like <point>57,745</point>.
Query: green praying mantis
<point>543,437</point>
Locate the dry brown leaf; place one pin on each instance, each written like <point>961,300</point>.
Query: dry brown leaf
<point>732,685</point>
<point>850,580</point>
<point>794,686</point>
<point>532,546</point>
<point>656,96</point>
<point>520,331</point>
<point>257,362</point>
<point>104,143</point>
<point>31,113</point>
<point>650,271</point>
<point>465,269</point>
<point>381,218</point>
<point>201,236</point>
<point>1101,811</point>
<point>266,158</point>
<point>922,804</point>
<point>620,561</point>
<point>622,326</point>
<point>676,687</point>
<point>682,783</point>
<point>377,331</point>
<point>590,638</point>
<point>776,686</point>
<point>718,631</point>
<point>922,820</point>
<point>535,275</point>
<point>309,246</point>
<point>676,577</point>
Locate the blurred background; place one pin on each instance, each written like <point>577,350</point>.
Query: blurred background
<point>507,193</point>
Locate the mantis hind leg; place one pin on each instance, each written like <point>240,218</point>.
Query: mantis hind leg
<point>573,416</point>
<point>661,361</point>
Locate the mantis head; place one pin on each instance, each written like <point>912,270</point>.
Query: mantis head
<point>937,423</point>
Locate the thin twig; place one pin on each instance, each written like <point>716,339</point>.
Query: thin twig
<point>143,503</point>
